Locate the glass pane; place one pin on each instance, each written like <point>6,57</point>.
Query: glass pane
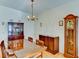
<point>70,24</point>
<point>10,27</point>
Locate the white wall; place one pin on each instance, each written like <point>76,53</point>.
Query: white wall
<point>50,22</point>
<point>7,15</point>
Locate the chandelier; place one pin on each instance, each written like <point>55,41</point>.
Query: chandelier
<point>32,17</point>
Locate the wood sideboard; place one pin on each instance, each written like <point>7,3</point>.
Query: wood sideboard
<point>52,43</point>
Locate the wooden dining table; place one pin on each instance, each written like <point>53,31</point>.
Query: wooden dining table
<point>30,50</point>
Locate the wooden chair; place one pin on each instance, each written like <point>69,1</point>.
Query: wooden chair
<point>6,53</point>
<point>3,50</point>
<point>30,39</point>
<point>40,43</point>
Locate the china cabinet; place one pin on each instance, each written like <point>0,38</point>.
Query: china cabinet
<point>15,35</point>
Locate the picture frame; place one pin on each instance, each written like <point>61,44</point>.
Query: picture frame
<point>61,23</point>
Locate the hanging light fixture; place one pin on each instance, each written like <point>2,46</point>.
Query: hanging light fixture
<point>32,17</point>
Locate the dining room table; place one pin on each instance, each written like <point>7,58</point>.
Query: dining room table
<point>30,50</point>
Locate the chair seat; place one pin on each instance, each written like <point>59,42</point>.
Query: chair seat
<point>10,51</point>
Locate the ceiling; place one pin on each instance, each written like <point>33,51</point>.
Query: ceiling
<point>39,5</point>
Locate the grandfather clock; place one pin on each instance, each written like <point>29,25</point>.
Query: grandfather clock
<point>70,24</point>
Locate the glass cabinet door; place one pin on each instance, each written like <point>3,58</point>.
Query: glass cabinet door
<point>15,31</point>
<point>70,36</point>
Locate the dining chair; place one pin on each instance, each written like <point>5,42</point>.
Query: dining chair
<point>4,54</point>
<point>40,42</point>
<point>30,39</point>
<point>7,53</point>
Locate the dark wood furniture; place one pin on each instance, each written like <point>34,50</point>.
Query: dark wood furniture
<point>15,35</point>
<point>52,43</point>
<point>40,42</point>
<point>15,44</point>
<point>6,53</point>
<point>3,49</point>
<point>70,25</point>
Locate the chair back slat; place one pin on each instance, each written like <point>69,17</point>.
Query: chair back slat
<point>3,50</point>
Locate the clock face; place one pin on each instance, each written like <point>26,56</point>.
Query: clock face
<point>70,24</point>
